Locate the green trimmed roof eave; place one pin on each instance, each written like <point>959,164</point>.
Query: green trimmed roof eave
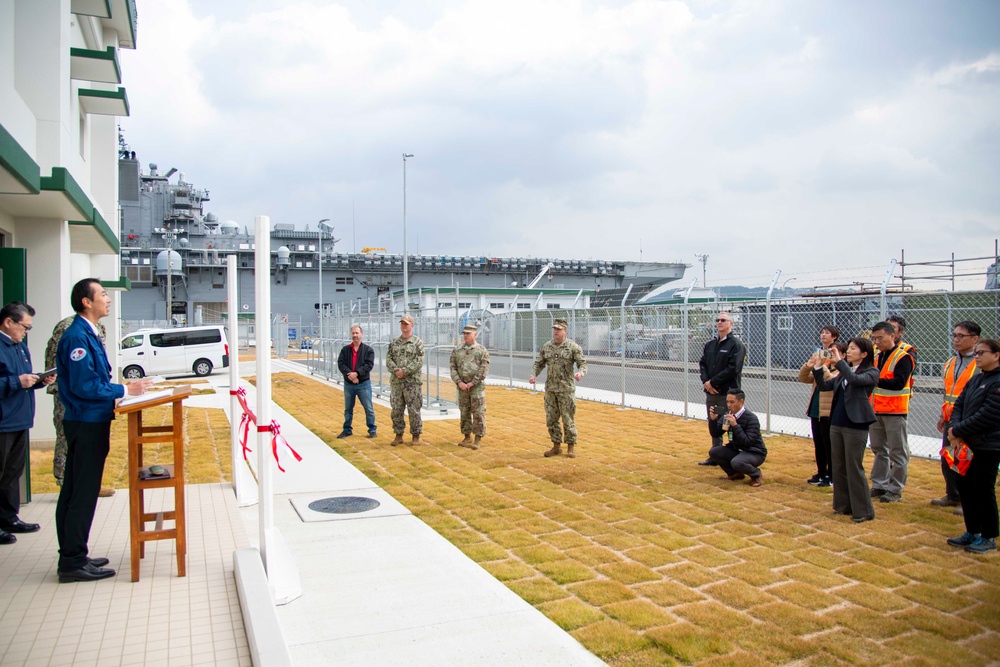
<point>132,15</point>
<point>23,175</point>
<point>94,237</point>
<point>104,102</point>
<point>99,8</point>
<point>90,65</point>
<point>62,181</point>
<point>123,284</point>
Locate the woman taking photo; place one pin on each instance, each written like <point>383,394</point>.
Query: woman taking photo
<point>976,422</point>
<point>851,413</point>
<point>818,410</point>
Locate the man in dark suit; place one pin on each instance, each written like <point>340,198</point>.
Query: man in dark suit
<point>745,451</point>
<point>88,394</point>
<point>17,414</point>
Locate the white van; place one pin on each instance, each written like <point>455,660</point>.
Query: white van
<point>198,350</point>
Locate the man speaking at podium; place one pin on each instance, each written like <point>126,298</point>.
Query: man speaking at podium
<point>87,392</point>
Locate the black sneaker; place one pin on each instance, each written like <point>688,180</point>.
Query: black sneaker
<point>878,493</point>
<point>815,479</point>
<point>963,540</point>
<point>825,482</point>
<point>344,434</point>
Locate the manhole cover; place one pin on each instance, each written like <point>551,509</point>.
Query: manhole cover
<point>344,505</point>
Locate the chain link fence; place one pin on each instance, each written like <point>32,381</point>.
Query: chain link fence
<point>647,357</point>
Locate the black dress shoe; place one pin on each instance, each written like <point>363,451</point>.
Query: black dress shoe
<point>18,526</point>
<point>88,572</point>
<point>98,562</point>
<point>344,434</point>
<point>707,462</point>
<point>7,538</point>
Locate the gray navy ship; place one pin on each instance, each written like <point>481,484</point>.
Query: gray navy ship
<point>167,238</point>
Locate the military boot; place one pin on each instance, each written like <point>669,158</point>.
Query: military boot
<point>569,451</point>
<point>415,440</point>
<point>479,439</point>
<point>467,442</point>
<point>398,440</point>
<point>556,449</point>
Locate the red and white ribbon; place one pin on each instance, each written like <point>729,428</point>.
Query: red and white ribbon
<point>274,428</point>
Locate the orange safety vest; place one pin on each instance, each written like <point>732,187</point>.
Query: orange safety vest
<point>888,401</point>
<point>954,386</point>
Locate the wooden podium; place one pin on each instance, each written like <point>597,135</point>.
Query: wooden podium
<point>138,435</point>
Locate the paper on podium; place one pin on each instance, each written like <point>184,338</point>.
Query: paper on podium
<point>148,396</point>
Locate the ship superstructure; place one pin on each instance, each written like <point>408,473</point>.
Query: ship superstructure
<point>168,239</point>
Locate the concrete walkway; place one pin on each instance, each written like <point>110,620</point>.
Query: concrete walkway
<point>379,587</point>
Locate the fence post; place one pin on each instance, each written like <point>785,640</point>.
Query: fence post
<point>624,337</point>
<point>512,323</point>
<point>687,336</point>
<point>767,352</point>
<point>437,339</point>
<point>881,292</point>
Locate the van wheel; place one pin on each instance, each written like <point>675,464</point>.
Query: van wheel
<point>202,367</point>
<point>133,373</point>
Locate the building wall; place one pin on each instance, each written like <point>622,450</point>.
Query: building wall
<point>40,108</point>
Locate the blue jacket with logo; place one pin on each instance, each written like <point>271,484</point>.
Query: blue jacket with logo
<point>17,404</point>
<point>85,386</point>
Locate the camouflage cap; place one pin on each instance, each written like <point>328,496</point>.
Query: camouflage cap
<point>560,324</point>
<point>406,318</point>
<point>469,328</point>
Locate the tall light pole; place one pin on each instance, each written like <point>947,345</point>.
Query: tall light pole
<point>319,232</point>
<point>406,260</point>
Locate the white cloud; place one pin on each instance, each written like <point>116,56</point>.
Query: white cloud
<point>558,127</point>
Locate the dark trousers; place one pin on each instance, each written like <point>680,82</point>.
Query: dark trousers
<point>821,443</point>
<point>950,476</point>
<point>851,494</point>
<point>13,448</point>
<point>732,461</point>
<point>88,445</point>
<point>977,487</point>
<point>718,401</point>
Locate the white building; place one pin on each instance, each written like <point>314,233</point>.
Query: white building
<point>451,302</point>
<point>60,97</point>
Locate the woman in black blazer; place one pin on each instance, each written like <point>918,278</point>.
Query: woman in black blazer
<point>850,415</point>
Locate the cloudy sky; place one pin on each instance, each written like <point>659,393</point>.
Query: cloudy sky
<point>818,138</point>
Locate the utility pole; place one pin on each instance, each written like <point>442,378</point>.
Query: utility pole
<point>704,266</point>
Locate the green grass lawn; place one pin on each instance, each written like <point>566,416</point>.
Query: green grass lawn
<point>649,559</point>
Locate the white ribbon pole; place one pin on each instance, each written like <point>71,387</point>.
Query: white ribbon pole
<point>244,485</point>
<point>282,573</point>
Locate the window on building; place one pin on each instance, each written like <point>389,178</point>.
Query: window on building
<point>345,280</point>
<point>552,306</point>
<point>496,305</point>
<point>465,304</point>
<point>524,306</point>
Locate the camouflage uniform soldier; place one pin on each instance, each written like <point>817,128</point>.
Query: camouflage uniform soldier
<point>59,455</point>
<point>470,364</point>
<point>560,355</point>
<point>404,360</point>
